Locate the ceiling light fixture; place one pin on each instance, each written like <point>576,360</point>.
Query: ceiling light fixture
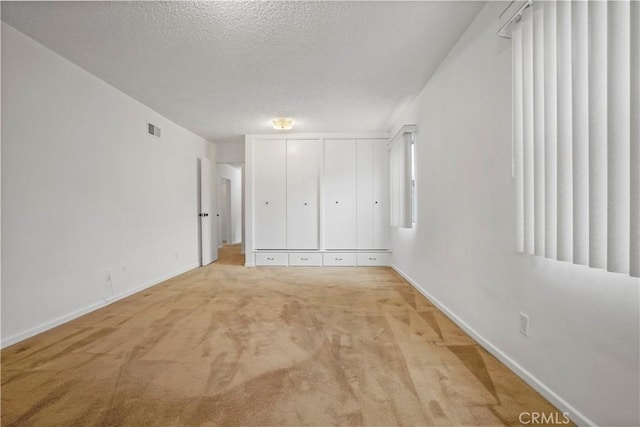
<point>282,124</point>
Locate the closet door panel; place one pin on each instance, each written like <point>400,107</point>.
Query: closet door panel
<point>339,201</point>
<point>270,198</point>
<point>381,221</point>
<point>364,149</point>
<point>302,194</point>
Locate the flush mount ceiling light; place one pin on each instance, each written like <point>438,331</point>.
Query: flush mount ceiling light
<point>282,124</point>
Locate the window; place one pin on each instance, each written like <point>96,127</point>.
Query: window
<point>576,124</point>
<point>402,177</point>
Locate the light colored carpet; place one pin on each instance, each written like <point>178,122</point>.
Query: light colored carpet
<point>228,345</point>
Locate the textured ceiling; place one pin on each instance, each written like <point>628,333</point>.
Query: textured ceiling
<point>224,69</point>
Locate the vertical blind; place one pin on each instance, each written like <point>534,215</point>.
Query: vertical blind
<point>576,132</point>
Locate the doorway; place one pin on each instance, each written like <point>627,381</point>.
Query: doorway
<point>230,191</point>
<point>225,211</point>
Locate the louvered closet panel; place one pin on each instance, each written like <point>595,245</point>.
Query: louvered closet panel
<point>270,188</point>
<point>302,194</point>
<point>339,201</point>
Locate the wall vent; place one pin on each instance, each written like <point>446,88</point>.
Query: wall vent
<point>153,130</point>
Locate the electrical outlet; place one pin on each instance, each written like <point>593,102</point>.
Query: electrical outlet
<point>524,324</point>
<point>124,267</point>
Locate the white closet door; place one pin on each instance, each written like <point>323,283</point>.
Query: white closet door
<point>270,194</point>
<point>339,199</point>
<point>365,166</point>
<point>381,209</point>
<point>302,194</point>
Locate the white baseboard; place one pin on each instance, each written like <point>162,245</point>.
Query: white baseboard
<point>575,415</point>
<point>88,309</point>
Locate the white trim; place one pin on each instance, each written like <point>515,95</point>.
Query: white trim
<point>248,198</point>
<point>575,415</point>
<point>88,309</point>
<point>321,135</point>
<point>412,129</point>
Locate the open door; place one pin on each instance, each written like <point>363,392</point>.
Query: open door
<point>225,211</point>
<point>208,243</point>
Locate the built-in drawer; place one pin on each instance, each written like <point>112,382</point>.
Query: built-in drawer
<point>373,259</point>
<point>274,258</point>
<point>339,259</point>
<point>301,259</point>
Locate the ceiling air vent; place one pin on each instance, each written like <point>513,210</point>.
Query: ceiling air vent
<point>153,130</point>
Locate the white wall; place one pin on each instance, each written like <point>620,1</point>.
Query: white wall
<point>230,152</point>
<point>584,345</point>
<point>233,174</point>
<point>85,190</point>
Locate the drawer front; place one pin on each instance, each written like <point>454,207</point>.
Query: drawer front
<point>308,259</point>
<point>276,259</point>
<point>339,259</point>
<point>373,259</point>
